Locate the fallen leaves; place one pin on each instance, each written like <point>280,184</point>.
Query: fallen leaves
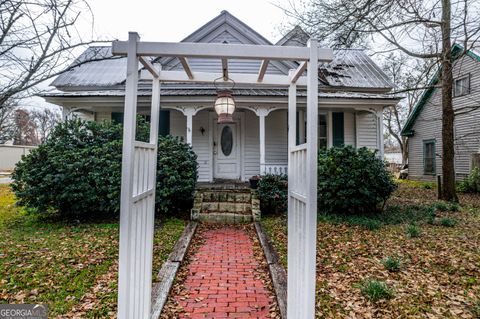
<point>439,278</point>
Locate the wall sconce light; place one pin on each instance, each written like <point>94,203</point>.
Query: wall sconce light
<point>202,130</point>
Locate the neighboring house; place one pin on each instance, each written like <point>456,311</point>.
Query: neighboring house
<point>424,126</point>
<point>353,93</point>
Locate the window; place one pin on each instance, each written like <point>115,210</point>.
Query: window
<point>322,131</point>
<point>163,125</point>
<point>461,86</point>
<point>429,157</point>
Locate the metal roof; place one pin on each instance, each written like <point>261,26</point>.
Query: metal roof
<point>212,92</point>
<point>349,69</point>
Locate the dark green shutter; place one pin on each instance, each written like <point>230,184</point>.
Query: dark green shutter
<point>117,117</point>
<point>338,129</point>
<point>164,123</point>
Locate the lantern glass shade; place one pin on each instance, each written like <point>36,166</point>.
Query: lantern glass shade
<point>224,106</point>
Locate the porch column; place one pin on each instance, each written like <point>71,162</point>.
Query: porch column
<point>189,113</point>
<point>381,146</point>
<point>262,113</point>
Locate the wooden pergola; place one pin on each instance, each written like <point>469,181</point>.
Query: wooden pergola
<point>139,161</point>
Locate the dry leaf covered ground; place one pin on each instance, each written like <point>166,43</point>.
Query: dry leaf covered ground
<point>439,271</point>
<point>70,267</point>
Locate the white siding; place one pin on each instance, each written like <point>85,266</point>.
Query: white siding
<point>252,145</point>
<point>349,128</point>
<point>367,130</point>
<point>467,125</point>
<point>276,138</point>
<point>178,124</point>
<point>103,116</point>
<point>201,145</point>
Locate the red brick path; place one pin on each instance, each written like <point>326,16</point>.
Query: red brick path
<point>221,279</point>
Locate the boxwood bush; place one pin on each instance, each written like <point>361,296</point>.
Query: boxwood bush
<point>352,181</point>
<point>77,171</point>
<point>273,191</point>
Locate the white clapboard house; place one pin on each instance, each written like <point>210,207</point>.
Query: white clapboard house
<point>353,91</point>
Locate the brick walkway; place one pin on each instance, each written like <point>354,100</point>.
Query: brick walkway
<point>221,279</point>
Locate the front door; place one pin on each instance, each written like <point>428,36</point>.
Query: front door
<point>226,151</point>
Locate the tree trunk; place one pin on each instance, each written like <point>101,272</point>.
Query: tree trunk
<point>404,150</point>
<point>448,151</point>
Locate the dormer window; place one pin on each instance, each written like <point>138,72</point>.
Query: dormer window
<point>461,86</point>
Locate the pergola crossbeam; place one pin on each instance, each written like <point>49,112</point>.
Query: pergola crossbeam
<point>262,70</point>
<point>149,66</point>
<point>186,67</point>
<point>215,51</point>
<point>225,69</point>
<point>239,78</point>
<point>298,72</point>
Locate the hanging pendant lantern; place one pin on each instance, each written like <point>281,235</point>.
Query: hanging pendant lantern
<point>225,106</point>
<point>224,103</point>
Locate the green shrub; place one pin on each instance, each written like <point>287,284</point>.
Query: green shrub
<point>409,213</point>
<point>446,206</point>
<point>448,222</point>
<point>376,290</point>
<point>352,181</point>
<point>392,263</point>
<point>273,193</point>
<point>77,171</point>
<point>413,231</point>
<point>471,184</point>
<point>364,222</point>
<point>476,309</point>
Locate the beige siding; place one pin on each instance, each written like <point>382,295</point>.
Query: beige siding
<point>103,116</point>
<point>467,125</point>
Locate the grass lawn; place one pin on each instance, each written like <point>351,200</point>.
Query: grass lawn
<point>421,262</point>
<point>70,267</point>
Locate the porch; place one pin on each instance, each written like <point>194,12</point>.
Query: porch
<point>257,142</point>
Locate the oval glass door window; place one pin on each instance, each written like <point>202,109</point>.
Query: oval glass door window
<point>226,140</point>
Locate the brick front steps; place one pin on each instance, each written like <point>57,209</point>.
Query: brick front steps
<point>226,205</point>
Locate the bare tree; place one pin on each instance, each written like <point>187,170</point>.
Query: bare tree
<point>7,126</point>
<point>24,128</point>
<point>419,28</point>
<point>410,76</point>
<point>45,120</point>
<point>38,41</point>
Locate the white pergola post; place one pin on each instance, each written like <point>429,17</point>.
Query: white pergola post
<point>302,199</point>
<point>139,161</point>
<point>137,203</point>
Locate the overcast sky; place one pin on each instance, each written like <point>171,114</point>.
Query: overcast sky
<point>173,20</point>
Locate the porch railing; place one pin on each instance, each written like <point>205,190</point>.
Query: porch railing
<point>276,169</point>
